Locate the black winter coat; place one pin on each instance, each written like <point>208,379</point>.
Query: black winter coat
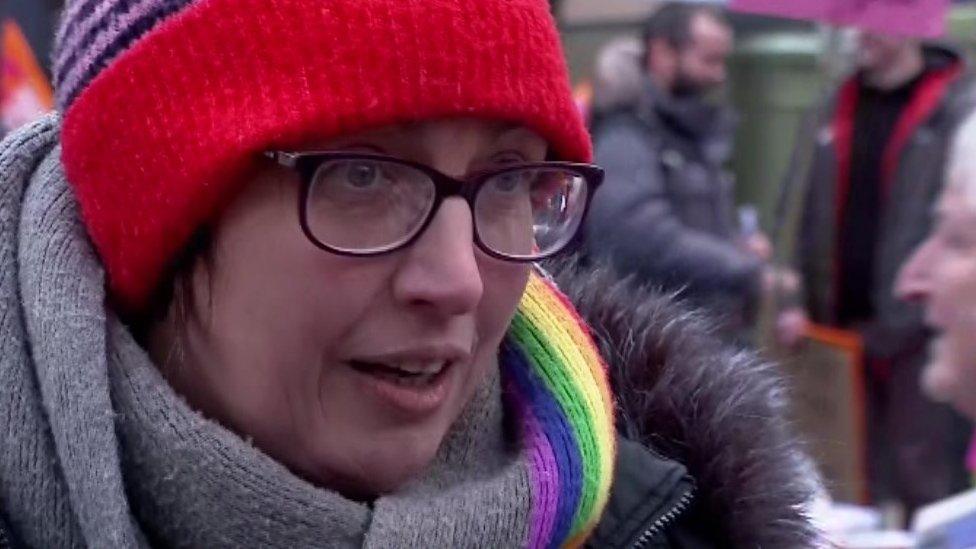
<point>666,211</point>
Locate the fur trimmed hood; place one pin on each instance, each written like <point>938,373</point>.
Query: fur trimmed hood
<point>719,411</point>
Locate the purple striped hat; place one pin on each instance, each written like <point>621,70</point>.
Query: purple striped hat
<point>94,32</point>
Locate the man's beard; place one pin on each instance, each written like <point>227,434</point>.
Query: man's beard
<point>686,87</point>
<point>689,91</point>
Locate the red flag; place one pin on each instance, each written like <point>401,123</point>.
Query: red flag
<point>25,93</point>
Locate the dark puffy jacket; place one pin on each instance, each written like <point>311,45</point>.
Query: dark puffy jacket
<point>666,211</point>
<point>707,457</point>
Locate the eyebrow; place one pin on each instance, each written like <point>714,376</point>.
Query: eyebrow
<point>516,131</point>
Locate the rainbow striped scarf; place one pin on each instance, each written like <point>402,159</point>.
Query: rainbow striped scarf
<point>556,383</point>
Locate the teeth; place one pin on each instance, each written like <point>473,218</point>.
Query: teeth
<point>420,368</point>
<point>413,381</point>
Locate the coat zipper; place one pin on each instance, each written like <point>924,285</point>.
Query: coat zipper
<point>666,520</point>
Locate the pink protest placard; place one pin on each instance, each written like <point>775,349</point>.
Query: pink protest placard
<point>813,10</point>
<point>919,18</point>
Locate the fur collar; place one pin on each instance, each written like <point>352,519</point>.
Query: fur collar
<point>718,410</point>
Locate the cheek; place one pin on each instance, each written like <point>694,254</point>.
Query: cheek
<point>953,299</point>
<point>282,287</point>
<point>280,307</point>
<point>297,303</point>
<point>671,63</point>
<point>696,66</point>
<point>504,284</point>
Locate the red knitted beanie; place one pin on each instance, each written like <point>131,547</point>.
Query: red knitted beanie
<point>160,136</point>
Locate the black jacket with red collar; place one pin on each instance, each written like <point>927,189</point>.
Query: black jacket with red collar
<point>913,171</point>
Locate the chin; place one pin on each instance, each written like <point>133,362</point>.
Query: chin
<point>398,469</point>
<point>381,465</point>
<point>938,378</point>
<point>947,377</point>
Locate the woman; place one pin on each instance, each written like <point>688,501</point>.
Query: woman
<point>942,276</point>
<point>268,282</point>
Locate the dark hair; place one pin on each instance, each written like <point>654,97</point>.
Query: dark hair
<point>672,22</point>
<point>175,294</point>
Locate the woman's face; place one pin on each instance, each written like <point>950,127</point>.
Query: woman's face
<point>942,275</point>
<point>315,356</point>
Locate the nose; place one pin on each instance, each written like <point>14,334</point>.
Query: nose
<point>913,283</point>
<point>440,271</point>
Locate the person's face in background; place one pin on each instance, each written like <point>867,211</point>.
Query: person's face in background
<point>699,67</point>
<point>942,276</point>
<point>878,52</point>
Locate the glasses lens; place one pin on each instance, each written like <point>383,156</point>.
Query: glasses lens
<point>367,206</point>
<point>530,213</point>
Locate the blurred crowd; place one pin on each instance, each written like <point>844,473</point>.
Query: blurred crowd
<point>879,179</point>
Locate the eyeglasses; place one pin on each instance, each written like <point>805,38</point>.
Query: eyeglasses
<point>359,204</point>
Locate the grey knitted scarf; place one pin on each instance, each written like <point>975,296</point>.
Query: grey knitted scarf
<point>97,450</point>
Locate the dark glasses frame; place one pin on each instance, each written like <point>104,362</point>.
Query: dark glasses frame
<point>445,186</point>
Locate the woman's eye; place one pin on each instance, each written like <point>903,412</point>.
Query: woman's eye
<point>363,175</point>
<point>510,182</point>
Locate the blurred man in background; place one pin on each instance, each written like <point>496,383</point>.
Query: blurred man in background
<point>666,212</point>
<point>871,184</point>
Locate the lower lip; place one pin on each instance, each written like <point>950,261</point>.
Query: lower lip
<point>409,400</point>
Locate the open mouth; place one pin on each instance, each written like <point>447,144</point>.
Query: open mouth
<point>411,374</point>
<point>412,384</point>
